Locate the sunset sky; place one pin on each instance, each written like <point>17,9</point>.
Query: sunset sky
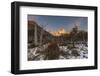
<point>54,23</point>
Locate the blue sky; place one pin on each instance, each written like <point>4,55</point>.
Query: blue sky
<point>54,23</point>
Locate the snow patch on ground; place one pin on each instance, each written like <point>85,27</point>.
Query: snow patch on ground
<point>82,50</point>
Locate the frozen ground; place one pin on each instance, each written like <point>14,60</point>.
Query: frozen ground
<point>81,52</point>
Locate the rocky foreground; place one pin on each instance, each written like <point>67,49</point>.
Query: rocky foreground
<point>54,51</point>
